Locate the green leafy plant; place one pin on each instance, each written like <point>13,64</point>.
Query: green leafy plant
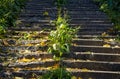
<point>9,10</point>
<point>112,8</point>
<point>58,73</point>
<point>117,39</point>
<point>60,3</point>
<point>61,38</point>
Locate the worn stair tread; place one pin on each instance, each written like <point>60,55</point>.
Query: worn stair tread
<point>76,41</point>
<point>96,42</point>
<point>97,46</point>
<point>94,53</point>
<point>50,27</point>
<point>33,64</point>
<point>112,57</point>
<point>95,65</point>
<point>76,72</point>
<point>96,36</point>
<point>98,65</point>
<point>80,70</point>
<point>100,49</point>
<point>72,20</point>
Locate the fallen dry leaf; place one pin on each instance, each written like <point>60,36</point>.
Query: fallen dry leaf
<point>104,34</point>
<point>43,43</point>
<point>84,70</point>
<point>24,60</point>
<point>106,45</point>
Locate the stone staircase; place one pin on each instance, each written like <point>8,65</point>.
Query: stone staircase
<point>94,54</point>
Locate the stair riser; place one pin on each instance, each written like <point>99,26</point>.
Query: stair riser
<point>93,57</point>
<point>84,75</point>
<point>70,12</point>
<point>89,33</point>
<point>52,7</point>
<point>86,21</point>
<point>38,27</point>
<point>96,37</point>
<point>85,42</point>
<point>33,65</point>
<point>30,23</point>
<point>81,22</point>
<point>96,49</point>
<point>92,65</point>
<point>49,10</point>
<point>96,75</point>
<point>53,14</point>
<point>38,7</point>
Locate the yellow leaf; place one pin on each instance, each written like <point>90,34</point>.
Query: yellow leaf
<point>33,59</point>
<point>45,13</point>
<point>17,69</point>
<point>89,78</point>
<point>111,40</point>
<point>28,44</point>
<point>18,78</point>
<point>79,78</point>
<point>42,43</point>
<point>5,43</point>
<point>84,70</point>
<point>106,45</point>
<point>116,46</point>
<point>73,77</point>
<point>24,60</point>
<point>106,40</point>
<point>56,66</point>
<point>104,34</point>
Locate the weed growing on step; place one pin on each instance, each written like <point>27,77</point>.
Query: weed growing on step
<point>58,73</point>
<point>117,39</point>
<point>61,38</point>
<point>60,41</point>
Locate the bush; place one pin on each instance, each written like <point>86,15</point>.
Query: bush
<point>112,8</point>
<point>9,10</point>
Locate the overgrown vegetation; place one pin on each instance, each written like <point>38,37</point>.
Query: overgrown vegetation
<point>58,73</point>
<point>112,8</point>
<point>61,38</point>
<point>60,41</point>
<point>9,10</point>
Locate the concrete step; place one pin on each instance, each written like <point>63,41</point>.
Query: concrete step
<point>91,33</point>
<point>95,74</point>
<point>79,23</point>
<point>77,48</point>
<point>82,8</point>
<point>92,65</point>
<point>88,42</point>
<point>96,37</point>
<point>41,6</point>
<point>69,12</point>
<point>75,72</point>
<point>51,11</point>
<point>39,27</point>
<point>97,49</point>
<point>33,64</point>
<point>71,63</point>
<point>96,56</point>
<point>88,56</point>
